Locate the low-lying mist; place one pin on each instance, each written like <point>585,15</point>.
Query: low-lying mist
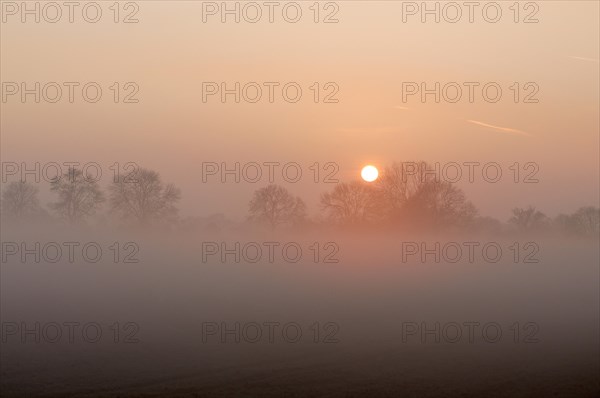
<point>179,309</point>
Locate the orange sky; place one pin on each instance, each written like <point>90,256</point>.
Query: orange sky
<point>368,54</point>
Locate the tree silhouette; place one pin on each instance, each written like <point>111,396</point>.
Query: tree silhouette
<point>584,222</point>
<point>20,199</point>
<point>588,220</point>
<point>412,193</point>
<point>275,206</point>
<point>143,198</point>
<point>440,204</point>
<point>78,197</point>
<point>528,219</point>
<point>351,203</point>
<point>408,194</point>
<point>399,182</point>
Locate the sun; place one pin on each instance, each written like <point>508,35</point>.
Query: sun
<point>369,173</point>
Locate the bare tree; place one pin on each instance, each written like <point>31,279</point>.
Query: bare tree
<point>412,193</point>
<point>78,197</point>
<point>528,219</point>
<point>400,182</point>
<point>351,203</point>
<point>439,203</point>
<point>584,222</point>
<point>143,198</point>
<point>275,206</point>
<point>588,220</point>
<point>20,199</point>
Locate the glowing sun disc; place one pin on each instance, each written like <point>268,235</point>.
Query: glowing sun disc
<point>369,173</point>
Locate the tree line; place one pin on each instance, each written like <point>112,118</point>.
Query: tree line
<point>142,200</point>
<point>413,199</point>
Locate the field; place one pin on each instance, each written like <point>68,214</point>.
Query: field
<point>177,317</point>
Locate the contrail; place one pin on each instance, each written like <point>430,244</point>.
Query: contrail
<point>503,129</point>
<point>584,58</point>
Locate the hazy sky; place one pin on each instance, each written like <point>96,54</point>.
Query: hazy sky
<point>368,54</point>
